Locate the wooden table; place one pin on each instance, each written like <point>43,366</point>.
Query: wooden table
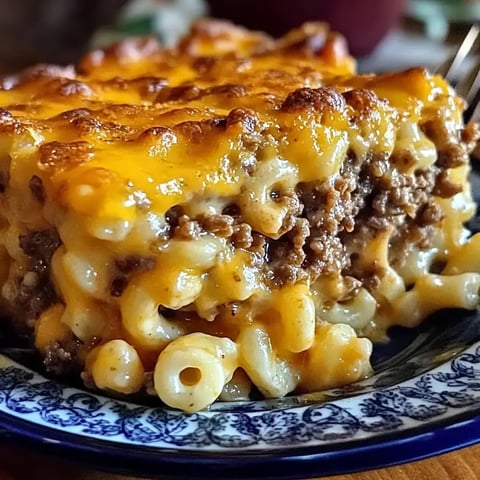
<point>464,464</point>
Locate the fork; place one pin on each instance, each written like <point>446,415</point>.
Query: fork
<point>468,85</point>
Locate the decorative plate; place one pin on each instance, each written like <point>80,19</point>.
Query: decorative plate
<point>424,399</point>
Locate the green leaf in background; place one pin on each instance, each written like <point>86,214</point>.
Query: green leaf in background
<point>136,26</point>
<point>438,14</point>
<point>168,20</point>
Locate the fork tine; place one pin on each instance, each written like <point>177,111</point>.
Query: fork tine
<point>469,87</point>
<point>475,115</point>
<point>450,69</point>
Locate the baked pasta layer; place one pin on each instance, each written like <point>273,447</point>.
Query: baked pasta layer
<point>237,212</point>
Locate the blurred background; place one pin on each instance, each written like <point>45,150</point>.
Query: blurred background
<point>384,34</point>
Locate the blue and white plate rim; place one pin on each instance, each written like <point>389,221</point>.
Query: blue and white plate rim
<point>388,450</point>
<point>434,412</point>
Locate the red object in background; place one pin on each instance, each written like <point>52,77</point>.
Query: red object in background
<point>363,22</point>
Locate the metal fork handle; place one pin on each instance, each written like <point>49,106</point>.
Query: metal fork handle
<point>451,68</point>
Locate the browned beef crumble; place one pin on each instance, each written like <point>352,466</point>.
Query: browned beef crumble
<point>187,228</point>
<point>242,236</point>
<point>35,291</point>
<point>400,201</point>
<point>37,188</point>
<point>444,187</point>
<point>172,217</point>
<point>63,358</point>
<point>220,225</point>
<point>125,268</point>
<point>39,247</point>
<point>323,219</point>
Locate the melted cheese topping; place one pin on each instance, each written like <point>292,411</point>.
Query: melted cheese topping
<point>185,129</point>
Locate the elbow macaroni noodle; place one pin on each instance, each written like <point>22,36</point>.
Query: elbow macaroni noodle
<point>116,366</point>
<point>192,371</point>
<point>272,375</point>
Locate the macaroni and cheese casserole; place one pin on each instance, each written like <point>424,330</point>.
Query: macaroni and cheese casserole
<point>237,214</point>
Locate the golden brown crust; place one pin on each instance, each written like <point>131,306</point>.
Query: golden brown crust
<point>60,155</point>
<point>117,94</point>
<point>327,100</point>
